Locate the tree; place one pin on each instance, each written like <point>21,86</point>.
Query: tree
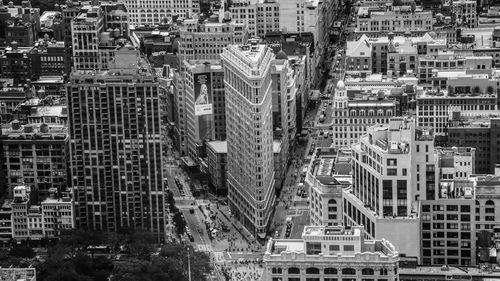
<point>170,265</point>
<point>477,90</point>
<point>490,90</point>
<point>22,251</point>
<point>179,222</point>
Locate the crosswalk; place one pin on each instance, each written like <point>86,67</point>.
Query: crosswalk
<point>204,248</point>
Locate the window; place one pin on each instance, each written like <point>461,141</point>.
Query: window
<point>349,271</point>
<point>334,248</point>
<point>367,271</point>
<point>312,270</point>
<point>330,270</point>
<point>392,162</point>
<point>293,270</point>
<point>349,248</point>
<point>277,270</point>
<point>392,172</point>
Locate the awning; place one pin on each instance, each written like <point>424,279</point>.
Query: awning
<point>188,161</point>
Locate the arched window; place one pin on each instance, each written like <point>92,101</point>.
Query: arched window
<point>477,203</point>
<point>349,271</point>
<point>490,202</point>
<point>277,270</point>
<point>367,271</point>
<point>383,271</point>
<point>312,270</point>
<point>331,270</point>
<point>332,201</point>
<point>293,270</point>
<point>389,112</point>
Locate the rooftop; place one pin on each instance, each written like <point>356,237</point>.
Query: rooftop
<point>456,189</point>
<point>331,166</point>
<point>218,146</point>
<point>444,94</point>
<point>14,130</point>
<point>329,235</point>
<point>448,271</point>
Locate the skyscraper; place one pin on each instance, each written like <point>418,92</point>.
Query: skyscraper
<point>249,131</point>
<point>116,149</point>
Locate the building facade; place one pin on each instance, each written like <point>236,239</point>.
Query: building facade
<point>435,108</point>
<point>396,19</point>
<point>217,165</point>
<point>152,13</point>
<point>120,114</point>
<point>480,134</point>
<point>36,155</point>
<point>327,175</point>
<point>330,253</point>
<point>34,221</point>
<point>393,168</point>
<point>196,47</point>
<point>247,78</point>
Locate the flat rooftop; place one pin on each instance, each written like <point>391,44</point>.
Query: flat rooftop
<point>450,270</point>
<point>218,146</point>
<point>331,166</point>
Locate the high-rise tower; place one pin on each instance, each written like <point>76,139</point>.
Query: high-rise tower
<point>116,149</point>
<point>249,130</point>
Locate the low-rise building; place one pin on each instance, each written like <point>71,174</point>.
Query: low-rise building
<point>433,273</point>
<point>217,160</point>
<point>448,226</point>
<point>328,173</point>
<point>16,274</point>
<point>396,19</point>
<point>436,108</point>
<point>36,155</point>
<point>465,12</point>
<point>329,253</point>
<point>34,221</point>
<point>478,133</point>
<point>352,113</point>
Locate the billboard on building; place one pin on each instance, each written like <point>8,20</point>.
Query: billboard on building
<point>202,94</point>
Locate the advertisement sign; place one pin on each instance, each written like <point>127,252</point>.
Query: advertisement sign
<point>202,94</point>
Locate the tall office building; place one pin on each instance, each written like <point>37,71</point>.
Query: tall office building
<point>200,43</point>
<point>249,119</point>
<point>116,148</point>
<point>394,167</point>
